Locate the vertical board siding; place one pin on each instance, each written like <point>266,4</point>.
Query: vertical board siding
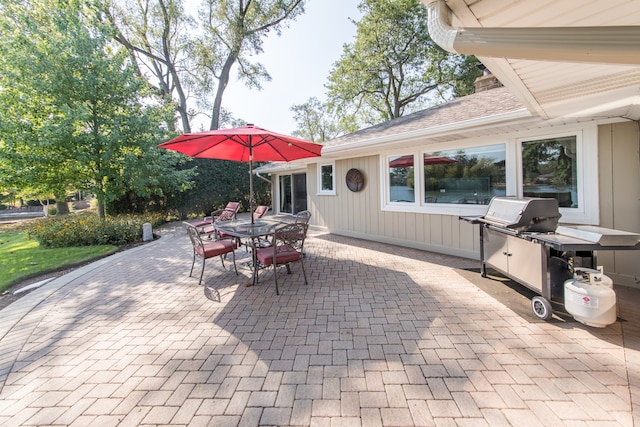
<point>619,188</point>
<point>360,214</point>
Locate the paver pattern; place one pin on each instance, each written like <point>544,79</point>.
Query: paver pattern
<point>381,336</point>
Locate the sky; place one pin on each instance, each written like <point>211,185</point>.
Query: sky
<point>299,62</point>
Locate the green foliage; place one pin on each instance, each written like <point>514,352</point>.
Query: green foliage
<point>21,257</point>
<point>394,68</point>
<point>74,114</point>
<point>86,229</point>
<point>217,183</point>
<point>315,121</point>
<point>193,64</point>
<point>547,159</point>
<point>232,31</point>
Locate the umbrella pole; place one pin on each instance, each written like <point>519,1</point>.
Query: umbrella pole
<point>251,179</point>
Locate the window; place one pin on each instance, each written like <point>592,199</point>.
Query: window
<point>549,169</point>
<point>401,180</point>
<point>466,175</point>
<point>327,180</point>
<point>460,178</point>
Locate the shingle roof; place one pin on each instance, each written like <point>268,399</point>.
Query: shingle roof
<point>472,107</point>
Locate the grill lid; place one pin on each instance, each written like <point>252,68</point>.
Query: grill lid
<point>527,214</point>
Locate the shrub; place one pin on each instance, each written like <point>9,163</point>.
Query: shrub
<point>85,229</point>
<point>52,211</point>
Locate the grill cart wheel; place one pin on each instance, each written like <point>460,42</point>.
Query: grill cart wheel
<point>541,307</point>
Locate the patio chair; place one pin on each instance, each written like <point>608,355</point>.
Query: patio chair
<point>260,211</point>
<point>229,212</point>
<point>226,214</point>
<point>303,217</point>
<point>261,242</point>
<point>288,243</point>
<point>206,250</point>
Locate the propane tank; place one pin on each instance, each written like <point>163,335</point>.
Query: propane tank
<point>589,297</point>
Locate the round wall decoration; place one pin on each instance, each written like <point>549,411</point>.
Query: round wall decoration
<point>355,180</point>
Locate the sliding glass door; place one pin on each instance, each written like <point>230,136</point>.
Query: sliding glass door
<point>293,193</point>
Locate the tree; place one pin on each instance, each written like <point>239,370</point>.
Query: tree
<point>233,31</point>
<point>34,127</point>
<point>184,59</point>
<point>394,68</point>
<point>158,36</point>
<point>78,116</point>
<point>315,122</point>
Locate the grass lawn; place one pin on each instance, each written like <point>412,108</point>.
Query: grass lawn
<point>21,258</point>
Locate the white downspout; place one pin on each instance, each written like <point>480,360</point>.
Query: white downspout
<point>262,177</point>
<point>612,45</point>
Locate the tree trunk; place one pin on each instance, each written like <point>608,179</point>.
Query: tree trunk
<point>222,85</point>
<point>62,207</point>
<point>101,211</point>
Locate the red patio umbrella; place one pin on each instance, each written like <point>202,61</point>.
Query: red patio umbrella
<point>244,144</point>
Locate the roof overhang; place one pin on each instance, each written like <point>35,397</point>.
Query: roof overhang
<point>561,58</point>
<point>495,124</point>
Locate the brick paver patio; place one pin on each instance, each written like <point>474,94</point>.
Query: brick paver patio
<point>381,336</point>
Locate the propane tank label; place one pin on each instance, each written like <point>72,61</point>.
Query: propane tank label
<point>585,300</point>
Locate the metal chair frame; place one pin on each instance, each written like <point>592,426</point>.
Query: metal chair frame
<point>214,248</point>
<point>288,245</point>
<point>303,217</point>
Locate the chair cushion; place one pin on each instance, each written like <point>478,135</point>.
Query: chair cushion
<point>265,256</point>
<point>225,216</point>
<point>216,248</point>
<point>200,223</point>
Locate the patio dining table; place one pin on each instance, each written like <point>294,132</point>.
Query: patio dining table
<point>250,233</point>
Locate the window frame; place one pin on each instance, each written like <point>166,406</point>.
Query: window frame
<point>386,193</point>
<point>587,211</point>
<point>320,191</point>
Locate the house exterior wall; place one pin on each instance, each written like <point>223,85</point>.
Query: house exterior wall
<point>360,214</point>
<point>619,187</point>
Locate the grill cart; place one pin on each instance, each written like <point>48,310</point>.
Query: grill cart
<point>520,238</point>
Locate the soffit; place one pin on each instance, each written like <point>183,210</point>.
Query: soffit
<point>560,89</point>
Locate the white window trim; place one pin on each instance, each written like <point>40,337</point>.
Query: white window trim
<point>587,211</point>
<point>387,204</point>
<point>320,191</point>
<point>587,175</point>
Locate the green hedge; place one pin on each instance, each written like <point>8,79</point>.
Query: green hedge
<point>85,229</point>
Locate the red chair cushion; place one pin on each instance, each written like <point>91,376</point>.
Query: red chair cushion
<point>225,215</point>
<point>200,223</point>
<point>216,248</point>
<point>265,256</point>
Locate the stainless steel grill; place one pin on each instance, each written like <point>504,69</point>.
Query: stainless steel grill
<point>523,215</point>
<point>520,238</point>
